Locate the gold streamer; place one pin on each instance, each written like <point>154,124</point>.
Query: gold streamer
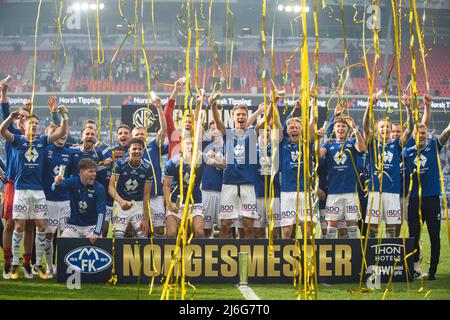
<point>229,57</point>
<point>34,70</point>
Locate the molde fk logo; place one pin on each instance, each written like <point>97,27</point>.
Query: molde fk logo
<point>88,259</point>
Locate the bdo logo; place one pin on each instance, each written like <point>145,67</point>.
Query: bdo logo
<point>88,259</point>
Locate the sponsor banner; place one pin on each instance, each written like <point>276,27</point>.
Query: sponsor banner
<point>117,100</point>
<point>216,261</point>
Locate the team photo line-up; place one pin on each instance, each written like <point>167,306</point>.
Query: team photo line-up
<point>245,178</point>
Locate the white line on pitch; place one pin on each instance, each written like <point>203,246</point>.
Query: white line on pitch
<point>248,293</point>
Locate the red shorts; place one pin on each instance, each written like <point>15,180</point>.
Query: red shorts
<point>8,200</point>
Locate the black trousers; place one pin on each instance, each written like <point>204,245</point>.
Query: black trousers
<point>431,215</point>
<point>363,205</point>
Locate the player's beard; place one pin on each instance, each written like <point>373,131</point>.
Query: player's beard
<point>88,144</point>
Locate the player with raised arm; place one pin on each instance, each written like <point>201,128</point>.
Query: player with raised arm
<point>330,136</point>
<point>7,206</point>
<point>58,161</point>
<point>295,205</point>
<point>238,198</point>
<point>29,197</point>
<point>153,153</point>
<point>421,160</point>
<point>384,157</point>
<point>87,202</point>
<point>212,175</point>
<point>396,132</point>
<point>172,182</point>
<point>173,135</point>
<point>130,186</point>
<point>342,176</point>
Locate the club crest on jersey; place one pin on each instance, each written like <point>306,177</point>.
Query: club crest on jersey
<point>186,177</point>
<point>31,155</point>
<point>82,205</point>
<point>340,158</point>
<point>423,160</point>
<point>239,151</point>
<point>56,170</point>
<point>131,184</point>
<point>388,156</point>
<point>294,155</point>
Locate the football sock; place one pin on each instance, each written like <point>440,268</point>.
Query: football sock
<point>352,232</point>
<point>40,247</point>
<point>390,232</point>
<point>373,232</point>
<point>49,252</point>
<point>16,240</point>
<point>331,233</point>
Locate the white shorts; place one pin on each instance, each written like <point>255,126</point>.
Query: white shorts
<point>211,205</point>
<point>196,211</point>
<point>29,205</point>
<point>237,201</point>
<point>289,209</point>
<point>390,205</point>
<point>58,215</point>
<point>342,206</point>
<point>262,219</point>
<point>323,222</point>
<point>158,211</point>
<point>109,213</point>
<point>133,215</point>
<point>72,231</point>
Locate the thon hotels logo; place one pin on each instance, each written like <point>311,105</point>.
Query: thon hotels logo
<point>88,259</point>
<point>388,261</point>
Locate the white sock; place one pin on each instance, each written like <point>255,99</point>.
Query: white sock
<point>141,235</point>
<point>16,240</point>
<point>49,253</point>
<point>390,232</point>
<point>352,232</point>
<point>417,266</point>
<point>120,234</point>
<point>40,247</point>
<point>331,233</point>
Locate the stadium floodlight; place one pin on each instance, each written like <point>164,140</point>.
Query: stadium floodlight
<point>292,8</point>
<point>86,6</point>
